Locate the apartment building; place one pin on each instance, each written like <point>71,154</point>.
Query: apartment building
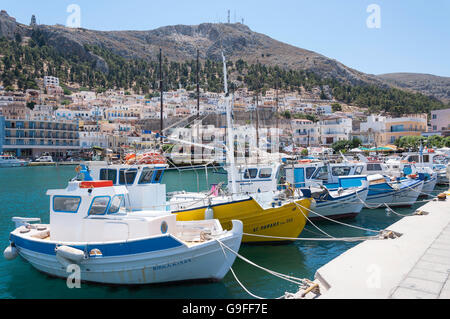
<point>31,138</point>
<point>305,132</point>
<point>51,81</point>
<point>383,130</point>
<point>440,121</point>
<point>335,128</point>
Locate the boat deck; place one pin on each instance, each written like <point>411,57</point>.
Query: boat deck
<point>414,265</point>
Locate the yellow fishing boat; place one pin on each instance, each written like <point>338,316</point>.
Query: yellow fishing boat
<point>285,221</point>
<point>264,209</point>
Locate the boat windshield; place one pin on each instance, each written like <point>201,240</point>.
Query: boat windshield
<point>116,204</point>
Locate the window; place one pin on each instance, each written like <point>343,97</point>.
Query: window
<point>108,175</point>
<point>309,172</point>
<point>116,203</point>
<point>66,204</point>
<point>358,170</point>
<point>127,176</point>
<point>99,205</point>
<point>413,158</point>
<point>341,171</point>
<point>265,173</point>
<point>158,176</point>
<point>146,176</point>
<point>251,173</point>
<point>374,167</point>
<point>322,173</point>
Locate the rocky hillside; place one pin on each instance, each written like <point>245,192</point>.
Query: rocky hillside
<point>180,43</point>
<point>427,84</point>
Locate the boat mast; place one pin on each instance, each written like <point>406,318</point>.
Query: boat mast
<point>161,93</point>
<point>230,148</point>
<point>257,128</point>
<point>198,86</point>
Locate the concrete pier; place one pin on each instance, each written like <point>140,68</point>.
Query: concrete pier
<point>414,265</point>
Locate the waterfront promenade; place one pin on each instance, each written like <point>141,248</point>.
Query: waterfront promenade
<point>414,265</point>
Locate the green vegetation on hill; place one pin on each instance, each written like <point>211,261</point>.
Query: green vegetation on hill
<point>21,64</point>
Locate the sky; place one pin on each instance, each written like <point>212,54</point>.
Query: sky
<point>372,36</point>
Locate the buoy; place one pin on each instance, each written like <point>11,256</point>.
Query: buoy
<point>209,213</point>
<point>10,253</point>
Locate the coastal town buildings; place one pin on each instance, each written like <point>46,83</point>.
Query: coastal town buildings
<point>119,120</point>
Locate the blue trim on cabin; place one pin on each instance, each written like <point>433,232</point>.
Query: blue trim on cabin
<point>92,202</point>
<point>65,212</point>
<point>108,250</point>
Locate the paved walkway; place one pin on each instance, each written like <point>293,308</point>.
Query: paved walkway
<point>430,276</point>
<point>415,265</point>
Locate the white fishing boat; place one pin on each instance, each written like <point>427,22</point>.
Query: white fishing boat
<point>398,168</point>
<point>383,189</point>
<point>394,192</point>
<point>11,161</point>
<point>90,227</point>
<point>344,199</point>
<point>435,160</point>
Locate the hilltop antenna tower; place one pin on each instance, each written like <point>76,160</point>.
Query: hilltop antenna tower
<point>229,21</point>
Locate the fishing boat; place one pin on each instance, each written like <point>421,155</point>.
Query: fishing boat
<point>383,189</point>
<point>11,161</point>
<point>398,168</point>
<point>91,228</point>
<point>344,199</point>
<point>436,160</point>
<point>257,197</point>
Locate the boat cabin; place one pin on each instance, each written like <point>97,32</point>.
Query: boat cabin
<point>429,159</point>
<point>330,175</point>
<point>258,178</point>
<point>95,211</point>
<point>143,182</point>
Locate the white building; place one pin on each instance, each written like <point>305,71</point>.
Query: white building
<point>51,81</point>
<point>305,132</point>
<point>333,129</point>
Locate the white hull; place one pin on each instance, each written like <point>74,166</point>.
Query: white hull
<point>402,197</point>
<point>348,206</point>
<point>205,261</point>
<point>13,164</point>
<point>428,186</point>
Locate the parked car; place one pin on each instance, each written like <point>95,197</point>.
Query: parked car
<point>44,159</point>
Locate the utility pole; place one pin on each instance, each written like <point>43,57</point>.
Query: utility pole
<point>161,93</point>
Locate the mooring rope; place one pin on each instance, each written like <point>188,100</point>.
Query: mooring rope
<point>302,283</point>
<point>336,221</point>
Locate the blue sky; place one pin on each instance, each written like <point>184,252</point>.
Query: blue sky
<point>414,35</point>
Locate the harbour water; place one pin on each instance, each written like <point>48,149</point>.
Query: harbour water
<point>22,193</point>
